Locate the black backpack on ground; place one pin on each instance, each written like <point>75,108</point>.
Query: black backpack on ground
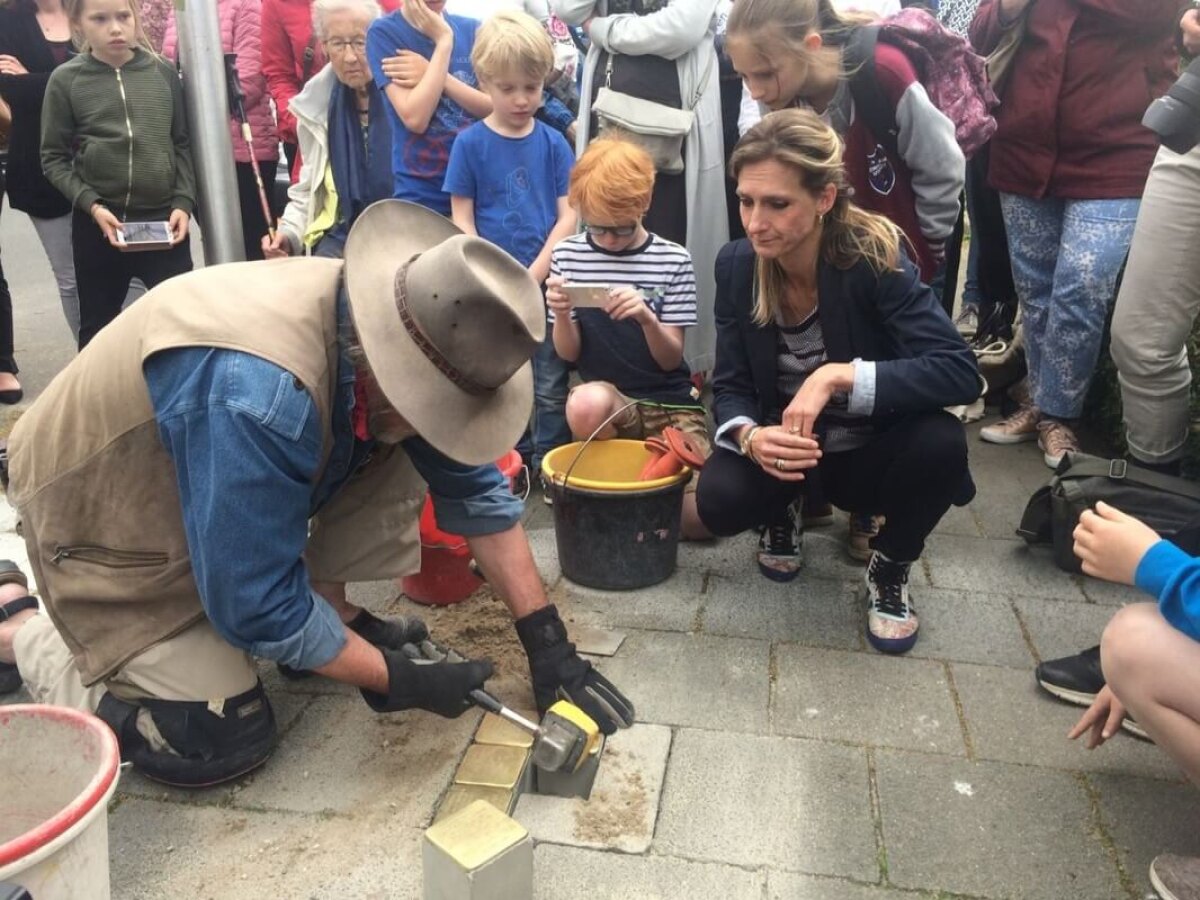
<point>1169,505</point>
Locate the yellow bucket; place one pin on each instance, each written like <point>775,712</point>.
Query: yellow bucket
<point>613,531</point>
<point>604,466</point>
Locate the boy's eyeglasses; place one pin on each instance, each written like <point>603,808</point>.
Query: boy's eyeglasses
<point>614,230</point>
<point>340,47</point>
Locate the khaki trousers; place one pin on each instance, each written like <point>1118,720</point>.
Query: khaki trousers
<point>196,664</point>
<point>1157,307</point>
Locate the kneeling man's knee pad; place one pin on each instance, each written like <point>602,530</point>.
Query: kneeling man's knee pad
<point>213,747</point>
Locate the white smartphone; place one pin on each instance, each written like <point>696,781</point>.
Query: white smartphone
<point>144,236</point>
<point>587,295</point>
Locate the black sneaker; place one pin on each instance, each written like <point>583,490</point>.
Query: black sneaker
<point>779,546</point>
<point>1078,679</point>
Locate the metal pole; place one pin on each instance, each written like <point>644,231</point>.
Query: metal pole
<point>203,62</point>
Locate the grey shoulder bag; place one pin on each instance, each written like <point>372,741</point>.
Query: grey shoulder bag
<point>660,129</point>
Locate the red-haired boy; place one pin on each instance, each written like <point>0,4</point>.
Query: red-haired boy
<point>631,348</point>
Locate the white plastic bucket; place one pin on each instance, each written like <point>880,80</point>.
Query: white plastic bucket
<point>60,769</point>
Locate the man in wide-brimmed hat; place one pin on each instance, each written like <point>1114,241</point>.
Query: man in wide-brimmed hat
<point>199,484</point>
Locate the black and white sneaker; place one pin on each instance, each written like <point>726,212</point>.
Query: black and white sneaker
<point>779,546</point>
<point>1078,679</point>
<point>891,620</point>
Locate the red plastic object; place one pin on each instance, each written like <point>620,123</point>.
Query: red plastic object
<point>445,577</point>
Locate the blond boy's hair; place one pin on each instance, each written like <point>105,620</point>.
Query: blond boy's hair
<point>512,41</point>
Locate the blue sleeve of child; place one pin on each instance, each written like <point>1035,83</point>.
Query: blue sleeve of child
<point>460,174</point>
<point>383,41</point>
<point>1173,576</point>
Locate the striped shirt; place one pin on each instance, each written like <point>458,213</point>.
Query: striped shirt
<point>800,352</point>
<point>617,352</point>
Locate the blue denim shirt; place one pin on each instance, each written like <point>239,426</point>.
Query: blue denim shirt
<point>245,437</point>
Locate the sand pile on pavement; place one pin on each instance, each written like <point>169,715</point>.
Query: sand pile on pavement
<point>482,627</point>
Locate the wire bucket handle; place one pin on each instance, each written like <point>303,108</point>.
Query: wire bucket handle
<point>566,476</point>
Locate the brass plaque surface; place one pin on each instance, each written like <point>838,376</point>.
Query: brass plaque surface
<point>492,766</point>
<point>495,730</point>
<point>476,834</point>
<point>460,796</point>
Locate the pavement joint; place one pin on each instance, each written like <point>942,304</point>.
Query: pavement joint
<point>1099,828</point>
<point>1026,634</point>
<point>877,817</point>
<point>968,744</point>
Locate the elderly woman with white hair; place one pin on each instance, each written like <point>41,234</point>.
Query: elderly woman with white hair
<point>345,139</point>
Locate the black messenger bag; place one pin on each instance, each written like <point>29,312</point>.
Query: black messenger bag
<point>1169,505</point>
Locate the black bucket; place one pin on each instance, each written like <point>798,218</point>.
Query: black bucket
<point>613,532</point>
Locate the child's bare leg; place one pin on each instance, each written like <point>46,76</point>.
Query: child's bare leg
<point>589,405</point>
<point>1154,669</point>
<point>691,528</point>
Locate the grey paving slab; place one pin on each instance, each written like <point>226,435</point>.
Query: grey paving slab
<point>959,520</point>
<point>698,680</point>
<point>781,802</point>
<point>669,606</point>
<point>403,758</point>
<point>1000,567</point>
<point>1108,594</point>
<point>1146,818</point>
<point>864,698</point>
<point>622,809</point>
<point>824,555</point>
<point>1011,720</point>
<point>566,873</point>
<point>990,829</point>
<point>789,886</point>
<point>162,850</point>
<point>597,641</point>
<point>968,626</point>
<point>1062,629</point>
<point>814,611</point>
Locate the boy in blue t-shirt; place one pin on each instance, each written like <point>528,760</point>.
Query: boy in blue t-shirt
<point>421,60</point>
<point>508,180</point>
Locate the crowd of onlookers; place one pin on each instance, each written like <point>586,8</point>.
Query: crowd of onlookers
<point>614,148</point>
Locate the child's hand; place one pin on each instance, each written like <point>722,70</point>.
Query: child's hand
<point>556,297</point>
<point>405,68</point>
<point>178,223</point>
<point>627,302</point>
<point>108,222</point>
<point>1111,544</point>
<point>427,22</point>
<point>1103,717</point>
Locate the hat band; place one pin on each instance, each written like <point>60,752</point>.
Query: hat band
<point>432,353</point>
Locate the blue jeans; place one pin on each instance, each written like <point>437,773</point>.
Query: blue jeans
<point>1066,255</point>
<point>548,427</point>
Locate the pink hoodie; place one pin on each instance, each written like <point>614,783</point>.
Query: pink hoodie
<point>241,21</point>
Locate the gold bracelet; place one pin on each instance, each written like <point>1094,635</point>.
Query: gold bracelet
<point>747,443</point>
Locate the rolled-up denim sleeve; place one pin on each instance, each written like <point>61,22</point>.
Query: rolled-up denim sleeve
<point>245,438</point>
<point>467,500</point>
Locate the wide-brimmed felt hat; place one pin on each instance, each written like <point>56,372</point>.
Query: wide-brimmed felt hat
<point>449,323</point>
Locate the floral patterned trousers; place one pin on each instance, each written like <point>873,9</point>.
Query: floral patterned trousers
<point>1066,255</point>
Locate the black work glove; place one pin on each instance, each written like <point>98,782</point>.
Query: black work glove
<point>440,687</point>
<point>559,673</point>
<point>392,633</point>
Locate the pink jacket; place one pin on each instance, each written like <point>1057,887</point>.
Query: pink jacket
<point>241,21</point>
